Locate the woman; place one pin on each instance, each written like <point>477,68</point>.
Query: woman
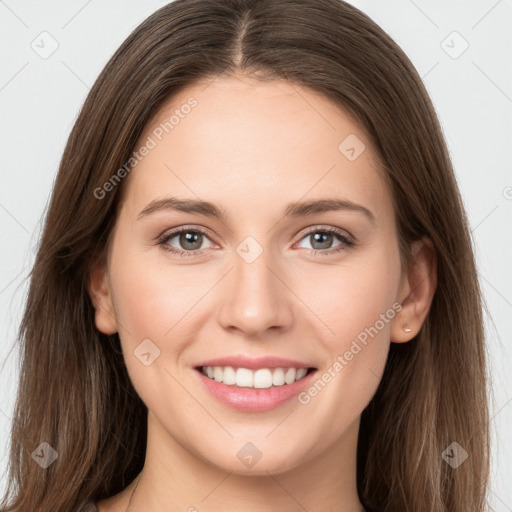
<point>255,289</point>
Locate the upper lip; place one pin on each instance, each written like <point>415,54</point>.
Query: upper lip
<point>254,363</point>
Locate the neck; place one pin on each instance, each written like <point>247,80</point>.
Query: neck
<point>173,477</point>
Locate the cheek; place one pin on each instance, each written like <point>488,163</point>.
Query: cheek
<point>351,296</point>
<point>356,300</point>
<point>151,305</point>
<point>159,302</point>
<point>151,297</point>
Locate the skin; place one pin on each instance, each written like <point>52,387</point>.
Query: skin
<point>252,148</point>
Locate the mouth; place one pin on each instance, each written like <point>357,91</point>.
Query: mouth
<point>254,385</point>
<point>261,378</point>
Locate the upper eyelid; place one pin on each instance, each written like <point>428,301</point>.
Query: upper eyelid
<point>323,227</point>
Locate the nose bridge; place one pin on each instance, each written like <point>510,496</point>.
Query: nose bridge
<point>255,299</point>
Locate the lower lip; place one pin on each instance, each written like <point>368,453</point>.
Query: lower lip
<point>254,400</point>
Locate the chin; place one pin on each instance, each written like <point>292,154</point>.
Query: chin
<point>248,462</point>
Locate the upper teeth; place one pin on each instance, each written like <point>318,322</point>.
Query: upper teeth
<point>261,379</point>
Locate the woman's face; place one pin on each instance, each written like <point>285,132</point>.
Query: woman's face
<point>291,174</point>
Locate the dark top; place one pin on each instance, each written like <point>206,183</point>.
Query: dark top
<point>90,506</point>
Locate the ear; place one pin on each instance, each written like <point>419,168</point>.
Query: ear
<point>416,291</point>
<point>99,291</point>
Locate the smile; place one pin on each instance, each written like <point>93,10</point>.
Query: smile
<point>262,378</point>
<point>267,384</point>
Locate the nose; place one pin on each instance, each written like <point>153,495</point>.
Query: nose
<point>256,298</point>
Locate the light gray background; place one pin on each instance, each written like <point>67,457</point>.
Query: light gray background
<point>40,98</point>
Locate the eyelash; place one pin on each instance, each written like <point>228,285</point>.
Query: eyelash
<point>346,243</point>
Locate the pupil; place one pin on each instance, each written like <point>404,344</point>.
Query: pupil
<point>327,240</point>
<point>190,238</point>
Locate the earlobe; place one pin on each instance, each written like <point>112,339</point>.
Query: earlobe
<point>416,292</point>
<point>99,291</point>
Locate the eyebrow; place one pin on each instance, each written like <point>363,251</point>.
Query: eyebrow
<point>297,209</point>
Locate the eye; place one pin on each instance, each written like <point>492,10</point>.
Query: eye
<point>187,241</point>
<point>190,240</point>
<point>321,240</point>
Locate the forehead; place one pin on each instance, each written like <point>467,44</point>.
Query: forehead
<point>237,138</point>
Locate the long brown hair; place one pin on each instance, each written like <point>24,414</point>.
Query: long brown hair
<point>74,391</point>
